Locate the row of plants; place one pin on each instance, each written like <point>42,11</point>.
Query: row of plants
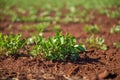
<point>111,13</point>
<point>41,11</point>
<point>58,47</point>
<point>94,29</point>
<point>89,29</point>
<point>40,27</point>
<point>73,15</point>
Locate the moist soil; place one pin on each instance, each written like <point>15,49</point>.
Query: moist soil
<point>92,65</point>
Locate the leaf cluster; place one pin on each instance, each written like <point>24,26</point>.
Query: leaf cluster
<point>41,26</point>
<point>97,42</point>
<point>115,29</point>
<point>58,47</point>
<point>91,29</point>
<point>11,44</point>
<point>117,45</point>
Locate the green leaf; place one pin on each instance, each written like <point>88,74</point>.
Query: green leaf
<point>81,48</point>
<point>97,42</point>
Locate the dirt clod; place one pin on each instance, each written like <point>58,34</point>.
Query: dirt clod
<point>103,74</point>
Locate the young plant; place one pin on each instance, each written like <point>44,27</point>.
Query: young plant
<point>56,28</point>
<point>91,29</point>
<point>58,47</point>
<point>12,43</point>
<point>97,42</point>
<point>113,14</point>
<point>117,45</point>
<point>115,29</point>
<point>41,26</point>
<point>26,27</point>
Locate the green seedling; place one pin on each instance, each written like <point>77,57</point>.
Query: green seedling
<point>46,19</point>
<point>41,26</point>
<point>28,18</point>
<point>32,11</point>
<point>117,45</point>
<point>12,43</point>
<point>56,19</point>
<point>83,14</point>
<point>25,27</point>
<point>91,29</point>
<point>56,28</point>
<point>66,19</point>
<point>86,19</point>
<point>21,10</point>
<point>45,13</point>
<point>11,13</point>
<point>58,47</point>
<point>113,14</point>
<point>72,9</point>
<point>97,42</point>
<point>115,29</point>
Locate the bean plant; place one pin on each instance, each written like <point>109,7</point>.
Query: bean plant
<point>113,14</point>
<point>58,47</point>
<point>115,29</point>
<point>91,29</point>
<point>12,43</point>
<point>117,45</point>
<point>56,28</point>
<point>41,26</point>
<point>97,42</point>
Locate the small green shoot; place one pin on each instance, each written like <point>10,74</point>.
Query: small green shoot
<point>117,45</point>
<point>97,42</point>
<point>41,26</point>
<point>12,43</point>
<point>58,47</point>
<point>56,28</point>
<point>91,29</point>
<point>115,29</point>
<point>113,14</point>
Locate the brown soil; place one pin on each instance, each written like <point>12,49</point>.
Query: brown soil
<point>96,65</point>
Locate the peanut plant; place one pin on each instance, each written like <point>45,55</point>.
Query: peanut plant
<point>97,42</point>
<point>115,29</point>
<point>117,45</point>
<point>56,28</point>
<point>12,43</point>
<point>41,26</point>
<point>91,29</point>
<point>58,47</point>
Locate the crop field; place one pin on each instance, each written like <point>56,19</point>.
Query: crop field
<point>59,39</point>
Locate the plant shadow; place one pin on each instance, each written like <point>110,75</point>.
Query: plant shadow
<point>83,60</point>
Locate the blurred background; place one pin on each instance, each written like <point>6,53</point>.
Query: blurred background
<point>60,11</point>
